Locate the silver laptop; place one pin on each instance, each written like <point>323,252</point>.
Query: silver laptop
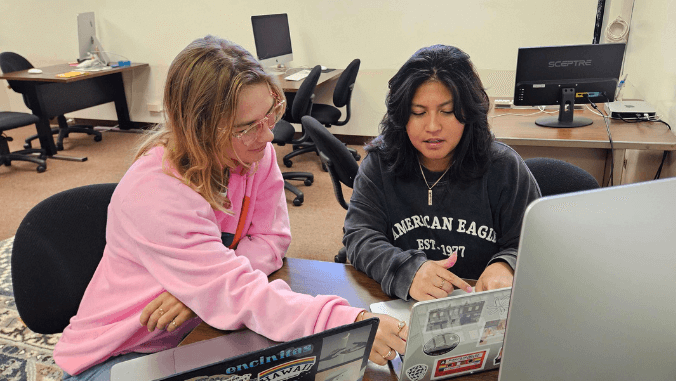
<point>338,354</point>
<point>594,294</point>
<point>449,337</point>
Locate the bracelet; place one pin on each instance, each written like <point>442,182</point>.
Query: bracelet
<point>360,317</point>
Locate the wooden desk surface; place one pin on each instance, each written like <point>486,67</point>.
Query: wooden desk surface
<point>49,73</point>
<point>292,86</point>
<point>515,129</point>
<point>327,278</point>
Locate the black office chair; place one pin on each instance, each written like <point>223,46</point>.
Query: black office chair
<point>56,250</point>
<point>329,115</point>
<point>557,176</point>
<point>284,131</point>
<point>9,121</point>
<point>284,134</point>
<point>339,162</point>
<point>11,62</point>
<point>302,105</point>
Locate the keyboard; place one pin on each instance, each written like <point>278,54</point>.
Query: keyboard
<point>297,76</point>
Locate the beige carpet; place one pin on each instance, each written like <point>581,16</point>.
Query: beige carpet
<point>316,226</point>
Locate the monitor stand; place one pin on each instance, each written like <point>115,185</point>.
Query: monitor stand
<point>566,118</point>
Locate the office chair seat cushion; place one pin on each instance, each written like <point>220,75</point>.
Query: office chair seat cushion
<point>56,250</point>
<point>325,114</point>
<point>10,120</point>
<point>283,132</point>
<point>557,176</point>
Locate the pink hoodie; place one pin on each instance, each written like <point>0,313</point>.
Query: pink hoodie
<point>162,235</point>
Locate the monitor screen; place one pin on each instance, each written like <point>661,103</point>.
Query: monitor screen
<point>272,39</point>
<point>86,35</point>
<point>565,75</point>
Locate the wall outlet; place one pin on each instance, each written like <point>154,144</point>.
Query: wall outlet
<point>154,107</point>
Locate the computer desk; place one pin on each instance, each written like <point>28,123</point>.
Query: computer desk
<point>328,278</point>
<point>587,147</point>
<point>72,94</point>
<point>324,78</point>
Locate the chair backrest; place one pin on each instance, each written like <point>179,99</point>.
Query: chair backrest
<point>11,62</point>
<point>343,90</point>
<point>56,250</point>
<point>340,163</point>
<point>302,102</point>
<point>557,176</point>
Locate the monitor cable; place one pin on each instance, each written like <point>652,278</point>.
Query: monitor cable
<point>610,137</point>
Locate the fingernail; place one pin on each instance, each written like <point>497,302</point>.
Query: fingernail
<point>451,260</point>
<point>469,289</point>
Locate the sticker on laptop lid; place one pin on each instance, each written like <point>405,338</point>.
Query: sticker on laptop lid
<point>458,365</point>
<point>416,372</point>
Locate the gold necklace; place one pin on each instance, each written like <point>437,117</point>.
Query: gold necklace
<point>429,188</point>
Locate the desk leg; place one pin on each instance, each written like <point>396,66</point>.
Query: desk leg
<point>43,128</point>
<point>121,102</point>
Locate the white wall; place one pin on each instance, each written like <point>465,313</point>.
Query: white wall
<point>383,34</point>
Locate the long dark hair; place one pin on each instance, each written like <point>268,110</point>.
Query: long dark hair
<point>452,67</point>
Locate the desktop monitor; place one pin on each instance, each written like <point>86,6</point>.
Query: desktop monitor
<point>566,75</point>
<point>272,39</point>
<point>86,35</point>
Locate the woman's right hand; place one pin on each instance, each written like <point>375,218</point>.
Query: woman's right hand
<point>434,281</point>
<point>390,338</point>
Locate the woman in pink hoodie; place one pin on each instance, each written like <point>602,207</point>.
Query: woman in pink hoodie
<point>201,218</point>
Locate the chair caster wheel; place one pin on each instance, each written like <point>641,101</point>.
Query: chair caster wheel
<point>297,202</point>
<point>356,156</point>
<point>308,182</point>
<point>59,146</point>
<point>288,163</point>
<point>98,138</point>
<point>41,168</point>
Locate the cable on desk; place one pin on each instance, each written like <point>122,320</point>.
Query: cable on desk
<point>610,137</point>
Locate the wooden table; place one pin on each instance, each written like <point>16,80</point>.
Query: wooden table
<point>327,278</point>
<point>588,145</point>
<point>50,96</point>
<point>324,78</point>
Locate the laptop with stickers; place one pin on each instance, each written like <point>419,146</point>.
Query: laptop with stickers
<point>338,354</point>
<point>453,336</point>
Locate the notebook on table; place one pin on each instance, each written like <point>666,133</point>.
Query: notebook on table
<point>338,354</point>
<point>449,337</point>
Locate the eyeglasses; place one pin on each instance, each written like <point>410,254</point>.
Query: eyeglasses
<point>252,131</point>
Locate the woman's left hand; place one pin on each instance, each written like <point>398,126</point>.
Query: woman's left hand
<point>165,311</point>
<point>497,275</point>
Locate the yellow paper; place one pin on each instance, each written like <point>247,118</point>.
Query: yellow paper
<point>71,74</point>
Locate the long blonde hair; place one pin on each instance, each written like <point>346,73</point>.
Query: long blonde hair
<point>200,100</point>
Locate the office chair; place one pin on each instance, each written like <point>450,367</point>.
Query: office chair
<point>302,105</point>
<point>11,62</point>
<point>284,131</point>
<point>557,176</point>
<point>339,162</point>
<point>56,250</point>
<point>329,115</point>
<point>9,121</point>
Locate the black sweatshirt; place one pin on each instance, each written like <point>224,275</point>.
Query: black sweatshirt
<point>390,230</point>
